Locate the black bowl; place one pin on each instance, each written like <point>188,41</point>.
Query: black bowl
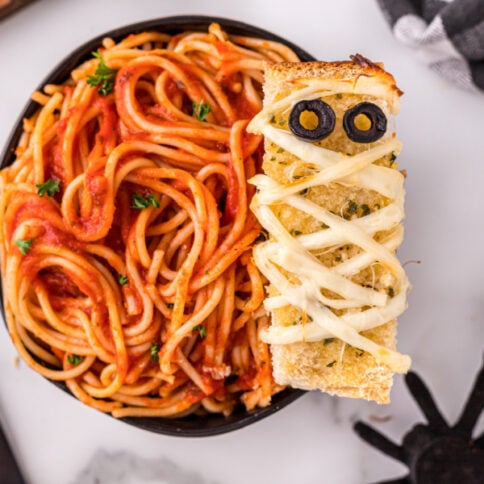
<point>193,425</point>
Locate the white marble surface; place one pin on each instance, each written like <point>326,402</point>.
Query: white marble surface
<point>55,437</point>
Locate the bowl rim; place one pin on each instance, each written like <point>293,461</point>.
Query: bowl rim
<point>214,424</point>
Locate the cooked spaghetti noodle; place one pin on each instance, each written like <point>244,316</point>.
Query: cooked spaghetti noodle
<point>126,236</point>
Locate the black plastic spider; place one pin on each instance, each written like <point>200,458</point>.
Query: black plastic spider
<point>436,453</point>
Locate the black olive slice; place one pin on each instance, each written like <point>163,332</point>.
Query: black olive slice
<point>377,118</point>
<point>324,113</point>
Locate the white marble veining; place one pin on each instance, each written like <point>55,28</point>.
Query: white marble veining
<point>128,468</point>
<point>58,440</point>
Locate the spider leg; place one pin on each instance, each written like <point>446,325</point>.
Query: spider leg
<point>382,443</point>
<point>480,441</point>
<point>424,400</point>
<point>473,407</point>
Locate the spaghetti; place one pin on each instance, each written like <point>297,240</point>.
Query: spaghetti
<point>126,236</point>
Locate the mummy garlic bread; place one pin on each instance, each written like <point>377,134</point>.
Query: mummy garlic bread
<point>332,202</point>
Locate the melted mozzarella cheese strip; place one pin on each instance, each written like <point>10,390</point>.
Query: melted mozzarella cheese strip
<point>384,180</point>
<point>298,276</point>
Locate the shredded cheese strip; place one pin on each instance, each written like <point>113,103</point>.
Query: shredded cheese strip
<point>298,275</point>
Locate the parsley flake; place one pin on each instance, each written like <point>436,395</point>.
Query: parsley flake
<point>103,77</point>
<point>139,202</point>
<point>24,245</point>
<point>352,207</point>
<point>263,236</point>
<point>366,209</point>
<point>74,360</point>
<point>202,331</point>
<point>153,201</point>
<point>331,364</point>
<point>50,187</point>
<point>201,110</point>
<point>122,279</point>
<point>154,350</point>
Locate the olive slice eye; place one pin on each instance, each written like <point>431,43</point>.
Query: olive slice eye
<point>365,123</point>
<point>312,120</point>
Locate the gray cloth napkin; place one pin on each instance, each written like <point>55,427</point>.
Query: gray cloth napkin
<point>447,35</point>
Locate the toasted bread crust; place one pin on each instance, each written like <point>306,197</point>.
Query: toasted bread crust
<point>285,71</point>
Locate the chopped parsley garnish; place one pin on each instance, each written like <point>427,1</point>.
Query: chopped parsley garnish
<point>330,365</point>
<point>50,187</point>
<point>328,341</point>
<point>170,305</point>
<point>201,110</point>
<point>264,235</point>
<point>153,201</point>
<point>154,350</point>
<point>103,77</point>
<point>24,245</point>
<point>202,331</point>
<point>366,209</point>
<point>139,202</point>
<point>74,360</point>
<point>273,119</point>
<point>122,279</point>
<point>359,353</point>
<point>352,207</point>
<point>391,292</point>
<point>295,232</point>
<point>280,150</point>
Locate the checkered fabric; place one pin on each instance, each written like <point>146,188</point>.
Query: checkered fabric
<point>447,35</point>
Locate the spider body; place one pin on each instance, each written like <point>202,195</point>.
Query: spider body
<point>442,459</point>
